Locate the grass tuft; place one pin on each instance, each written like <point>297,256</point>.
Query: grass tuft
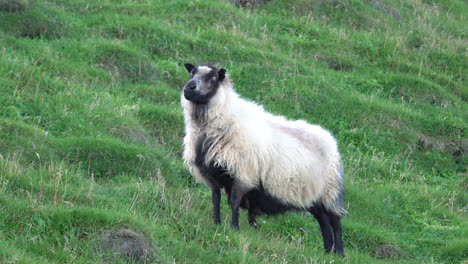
<point>387,251</point>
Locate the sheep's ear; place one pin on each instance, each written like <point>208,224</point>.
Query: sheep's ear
<point>189,67</point>
<point>221,74</point>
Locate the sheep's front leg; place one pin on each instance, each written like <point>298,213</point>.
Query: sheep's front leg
<point>237,192</point>
<point>216,198</point>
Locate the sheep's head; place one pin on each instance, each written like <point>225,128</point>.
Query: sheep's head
<point>203,84</point>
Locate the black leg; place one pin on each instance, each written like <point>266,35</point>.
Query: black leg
<point>337,233</point>
<point>237,192</point>
<point>325,227</point>
<point>216,197</point>
<point>228,194</point>
<point>251,209</point>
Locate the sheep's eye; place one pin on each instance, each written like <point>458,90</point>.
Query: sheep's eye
<point>214,78</point>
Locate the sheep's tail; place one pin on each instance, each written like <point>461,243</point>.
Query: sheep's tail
<point>333,199</point>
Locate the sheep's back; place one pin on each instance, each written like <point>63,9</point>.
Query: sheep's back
<point>301,162</point>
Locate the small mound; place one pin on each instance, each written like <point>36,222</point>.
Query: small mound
<point>127,245</point>
<point>12,5</point>
<point>126,64</point>
<point>107,157</point>
<point>388,251</point>
<point>36,24</point>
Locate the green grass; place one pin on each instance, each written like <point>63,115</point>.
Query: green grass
<point>91,126</point>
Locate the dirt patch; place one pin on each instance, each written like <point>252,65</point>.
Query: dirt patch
<point>248,3</point>
<point>125,244</point>
<point>457,149</point>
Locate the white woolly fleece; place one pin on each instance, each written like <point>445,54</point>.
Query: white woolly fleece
<point>295,162</point>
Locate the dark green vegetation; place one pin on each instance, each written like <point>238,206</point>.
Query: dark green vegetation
<point>91,126</point>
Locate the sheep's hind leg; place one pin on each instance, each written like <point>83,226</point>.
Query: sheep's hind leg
<point>216,197</point>
<point>337,233</point>
<point>325,226</point>
<point>227,189</point>
<point>251,210</point>
<point>237,192</point>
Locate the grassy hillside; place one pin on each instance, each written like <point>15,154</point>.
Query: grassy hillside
<point>91,125</point>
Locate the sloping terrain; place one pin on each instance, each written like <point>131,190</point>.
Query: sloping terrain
<point>91,126</point>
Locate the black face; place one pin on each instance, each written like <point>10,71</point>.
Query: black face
<point>203,84</point>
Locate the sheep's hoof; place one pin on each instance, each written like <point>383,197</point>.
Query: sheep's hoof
<point>338,253</point>
<point>217,221</point>
<point>236,227</point>
<point>253,224</point>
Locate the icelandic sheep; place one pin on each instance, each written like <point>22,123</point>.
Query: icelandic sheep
<point>265,163</point>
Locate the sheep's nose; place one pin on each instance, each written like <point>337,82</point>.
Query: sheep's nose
<point>191,86</point>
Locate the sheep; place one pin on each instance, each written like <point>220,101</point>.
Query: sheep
<point>264,162</point>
